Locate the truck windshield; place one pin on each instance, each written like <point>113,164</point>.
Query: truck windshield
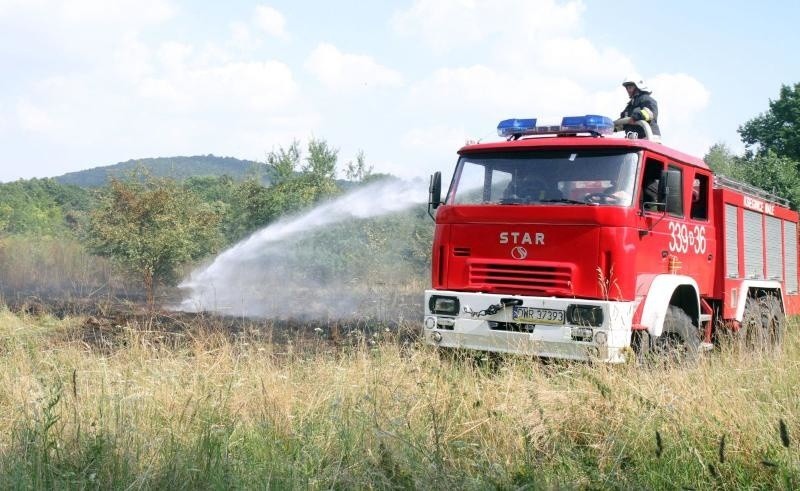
<point>569,177</point>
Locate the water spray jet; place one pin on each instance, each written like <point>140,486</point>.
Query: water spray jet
<point>259,276</point>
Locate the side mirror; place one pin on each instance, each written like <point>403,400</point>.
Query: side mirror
<point>669,190</point>
<point>435,192</point>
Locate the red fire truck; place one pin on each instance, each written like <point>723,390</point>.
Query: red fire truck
<point>570,241</point>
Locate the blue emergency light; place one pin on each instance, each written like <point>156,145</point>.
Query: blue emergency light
<point>510,127</point>
<point>590,123</point>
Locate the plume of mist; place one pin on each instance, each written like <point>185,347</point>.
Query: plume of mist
<point>261,276</point>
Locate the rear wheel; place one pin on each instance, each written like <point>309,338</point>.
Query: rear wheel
<point>680,339</point>
<point>751,335</point>
<point>773,321</point>
<point>763,324</point>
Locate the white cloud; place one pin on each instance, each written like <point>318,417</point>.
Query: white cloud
<point>173,55</point>
<point>98,12</point>
<point>81,33</point>
<point>538,64</point>
<point>478,91</point>
<point>253,86</point>
<point>171,98</point>
<point>435,137</point>
<point>242,38</point>
<point>448,24</point>
<point>680,94</point>
<point>117,12</point>
<point>479,96</point>
<point>572,57</point>
<point>270,21</point>
<point>113,90</point>
<point>33,118</point>
<point>345,71</point>
<point>131,58</point>
<point>123,85</point>
<point>76,21</point>
<point>682,101</point>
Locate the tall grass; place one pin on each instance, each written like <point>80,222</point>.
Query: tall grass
<point>202,409</point>
<point>49,265</point>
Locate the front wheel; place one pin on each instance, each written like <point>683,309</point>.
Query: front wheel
<point>680,339</point>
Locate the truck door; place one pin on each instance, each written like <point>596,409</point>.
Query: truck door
<point>699,258</point>
<point>671,233</point>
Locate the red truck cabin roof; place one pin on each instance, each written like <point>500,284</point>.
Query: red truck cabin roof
<point>555,142</point>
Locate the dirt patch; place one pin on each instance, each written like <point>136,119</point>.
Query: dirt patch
<point>109,324</point>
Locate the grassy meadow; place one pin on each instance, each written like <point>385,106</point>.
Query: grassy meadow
<point>135,405</point>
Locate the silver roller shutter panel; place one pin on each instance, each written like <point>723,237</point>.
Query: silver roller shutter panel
<point>731,242</point>
<point>774,249</point>
<point>790,249</point>
<point>753,245</point>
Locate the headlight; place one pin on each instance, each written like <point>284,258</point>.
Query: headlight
<point>600,338</point>
<point>585,315</point>
<point>444,305</point>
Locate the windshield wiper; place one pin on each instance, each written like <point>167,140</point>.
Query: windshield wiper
<point>566,200</point>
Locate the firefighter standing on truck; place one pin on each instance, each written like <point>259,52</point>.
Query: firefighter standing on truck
<point>641,107</point>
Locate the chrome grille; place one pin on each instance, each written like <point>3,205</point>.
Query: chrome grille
<point>515,276</point>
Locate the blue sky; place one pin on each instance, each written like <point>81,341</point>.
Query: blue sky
<point>91,82</point>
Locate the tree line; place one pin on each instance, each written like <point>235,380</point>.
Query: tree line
<point>150,226</point>
<point>771,160</point>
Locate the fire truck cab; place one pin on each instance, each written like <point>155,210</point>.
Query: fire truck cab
<point>568,241</point>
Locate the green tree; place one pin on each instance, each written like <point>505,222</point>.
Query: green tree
<point>292,191</point>
<point>253,206</point>
<point>778,175</point>
<point>778,129</point>
<point>221,193</point>
<point>320,170</point>
<point>150,226</point>
<point>723,161</point>
<point>284,162</point>
<point>358,171</point>
<point>42,206</point>
<point>5,216</point>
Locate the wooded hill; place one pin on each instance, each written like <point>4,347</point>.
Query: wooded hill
<point>178,168</point>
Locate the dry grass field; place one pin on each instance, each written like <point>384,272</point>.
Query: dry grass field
<point>139,404</point>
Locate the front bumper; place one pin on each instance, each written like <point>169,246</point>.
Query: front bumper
<point>476,327</point>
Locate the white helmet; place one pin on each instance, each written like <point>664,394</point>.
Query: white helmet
<point>639,84</point>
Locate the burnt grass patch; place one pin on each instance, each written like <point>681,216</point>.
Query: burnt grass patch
<point>107,324</point>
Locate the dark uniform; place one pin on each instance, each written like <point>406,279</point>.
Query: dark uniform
<point>641,107</point>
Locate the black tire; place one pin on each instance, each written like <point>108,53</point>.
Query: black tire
<point>680,339</point>
<point>773,320</point>
<point>641,345</point>
<point>751,335</point>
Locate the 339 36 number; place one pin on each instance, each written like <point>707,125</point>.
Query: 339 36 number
<point>683,239</point>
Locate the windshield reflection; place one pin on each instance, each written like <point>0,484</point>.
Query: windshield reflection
<point>569,177</point>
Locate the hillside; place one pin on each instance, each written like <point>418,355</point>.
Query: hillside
<point>176,167</point>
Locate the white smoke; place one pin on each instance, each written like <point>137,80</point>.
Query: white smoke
<point>252,278</point>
